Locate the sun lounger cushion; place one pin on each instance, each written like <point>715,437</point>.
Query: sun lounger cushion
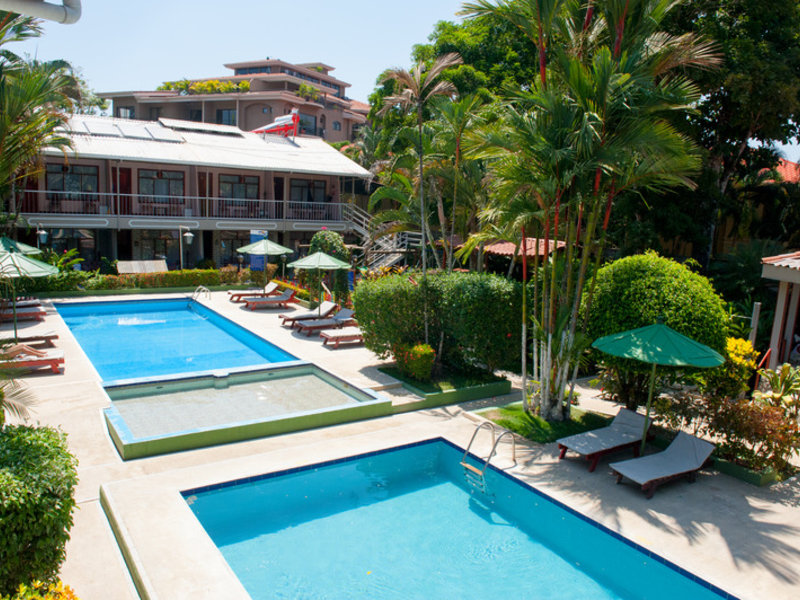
<point>340,319</point>
<point>323,311</point>
<point>685,454</point>
<point>52,360</point>
<point>23,314</point>
<point>626,427</point>
<point>240,295</point>
<point>254,302</point>
<point>345,334</point>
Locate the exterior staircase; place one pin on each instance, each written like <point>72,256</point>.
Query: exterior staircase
<point>379,250</point>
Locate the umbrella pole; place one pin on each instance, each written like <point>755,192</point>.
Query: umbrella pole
<point>647,411</point>
<point>14,308</point>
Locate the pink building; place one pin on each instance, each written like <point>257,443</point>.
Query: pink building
<point>254,94</point>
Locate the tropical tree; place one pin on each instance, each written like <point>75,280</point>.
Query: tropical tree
<point>597,122</point>
<point>35,100</point>
<point>415,89</point>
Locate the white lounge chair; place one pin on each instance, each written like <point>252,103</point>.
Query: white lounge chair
<point>241,295</point>
<point>323,311</point>
<point>340,319</point>
<point>345,334</point>
<point>624,432</point>
<point>283,299</point>
<point>684,456</point>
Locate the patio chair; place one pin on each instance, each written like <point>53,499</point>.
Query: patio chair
<point>23,314</point>
<point>340,319</point>
<point>322,312</point>
<point>270,301</point>
<point>21,356</point>
<point>42,340</point>
<point>6,304</point>
<point>625,431</point>
<point>345,334</point>
<point>684,456</point>
<point>240,295</point>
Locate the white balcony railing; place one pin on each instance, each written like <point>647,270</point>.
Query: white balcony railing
<point>140,205</point>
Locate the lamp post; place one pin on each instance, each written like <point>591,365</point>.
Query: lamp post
<point>181,235</point>
<point>41,236</point>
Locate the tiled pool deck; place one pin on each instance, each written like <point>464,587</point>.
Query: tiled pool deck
<point>743,539</point>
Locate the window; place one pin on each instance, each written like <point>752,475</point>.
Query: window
<point>160,184</point>
<point>155,113</point>
<point>73,178</point>
<point>308,124</point>
<point>126,112</point>
<point>253,70</point>
<point>337,126</point>
<point>267,110</point>
<point>303,190</point>
<point>238,186</point>
<point>195,114</point>
<point>226,116</point>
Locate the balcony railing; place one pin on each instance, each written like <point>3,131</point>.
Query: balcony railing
<point>140,205</point>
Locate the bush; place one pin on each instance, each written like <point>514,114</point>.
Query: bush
<point>331,243</point>
<point>633,292</point>
<point>37,484</point>
<point>42,591</point>
<point>415,361</point>
<point>476,317</point>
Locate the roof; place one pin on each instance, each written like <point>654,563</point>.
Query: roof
<point>788,170</point>
<point>358,106</point>
<point>170,141</point>
<point>783,267</point>
<point>507,248</point>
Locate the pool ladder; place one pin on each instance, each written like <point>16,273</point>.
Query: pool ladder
<point>201,290</point>
<point>476,477</point>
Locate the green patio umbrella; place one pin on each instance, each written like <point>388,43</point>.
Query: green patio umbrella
<point>9,245</point>
<point>658,345</point>
<point>319,261</point>
<point>14,265</point>
<point>265,247</point>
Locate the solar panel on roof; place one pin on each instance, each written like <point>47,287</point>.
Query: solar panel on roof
<point>76,126</point>
<point>162,134</point>
<point>102,128</point>
<point>134,130</point>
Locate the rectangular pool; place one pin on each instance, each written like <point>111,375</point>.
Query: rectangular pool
<point>146,338</point>
<point>402,523</point>
<point>179,413</point>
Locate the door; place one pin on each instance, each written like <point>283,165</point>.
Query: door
<point>123,195</point>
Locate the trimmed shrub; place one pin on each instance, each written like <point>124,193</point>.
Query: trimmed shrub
<point>415,361</point>
<point>37,484</point>
<point>390,312</point>
<point>633,292</point>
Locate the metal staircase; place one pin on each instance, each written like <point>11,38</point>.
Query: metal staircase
<point>379,250</point>
<point>476,476</point>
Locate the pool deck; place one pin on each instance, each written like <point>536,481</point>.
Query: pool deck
<point>741,538</point>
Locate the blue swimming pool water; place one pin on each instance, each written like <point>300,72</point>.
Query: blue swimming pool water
<point>403,524</point>
<point>134,339</point>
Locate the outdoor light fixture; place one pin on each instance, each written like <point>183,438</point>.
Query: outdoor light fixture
<point>240,258</point>
<point>188,236</point>
<point>41,236</point>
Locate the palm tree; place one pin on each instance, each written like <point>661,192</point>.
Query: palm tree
<point>416,89</point>
<point>596,123</point>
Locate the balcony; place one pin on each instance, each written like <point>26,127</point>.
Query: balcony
<point>209,209</point>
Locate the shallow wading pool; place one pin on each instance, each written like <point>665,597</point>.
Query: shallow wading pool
<point>403,523</point>
<point>171,414</point>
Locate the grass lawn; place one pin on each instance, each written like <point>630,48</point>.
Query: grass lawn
<point>537,429</point>
<point>447,380</point>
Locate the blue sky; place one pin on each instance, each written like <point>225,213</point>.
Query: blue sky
<point>137,46</point>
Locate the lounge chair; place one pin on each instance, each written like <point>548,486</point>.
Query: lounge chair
<point>340,319</point>
<point>270,301</point>
<point>43,340</point>
<point>240,295</point>
<point>20,356</point>
<point>322,312</point>
<point>624,432</point>
<point>21,303</point>
<point>345,334</point>
<point>23,314</point>
<point>684,456</point>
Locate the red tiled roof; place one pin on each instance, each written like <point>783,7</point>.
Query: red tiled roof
<point>360,106</point>
<point>507,248</point>
<point>791,260</point>
<point>789,171</point>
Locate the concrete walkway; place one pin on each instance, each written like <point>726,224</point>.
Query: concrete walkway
<point>743,539</point>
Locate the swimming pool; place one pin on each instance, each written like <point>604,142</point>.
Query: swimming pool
<point>147,338</point>
<point>179,413</point>
<point>402,523</point>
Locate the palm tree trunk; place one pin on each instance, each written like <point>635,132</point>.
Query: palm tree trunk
<point>422,225</point>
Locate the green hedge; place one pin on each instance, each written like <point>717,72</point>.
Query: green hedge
<point>477,316</point>
<point>37,484</point>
